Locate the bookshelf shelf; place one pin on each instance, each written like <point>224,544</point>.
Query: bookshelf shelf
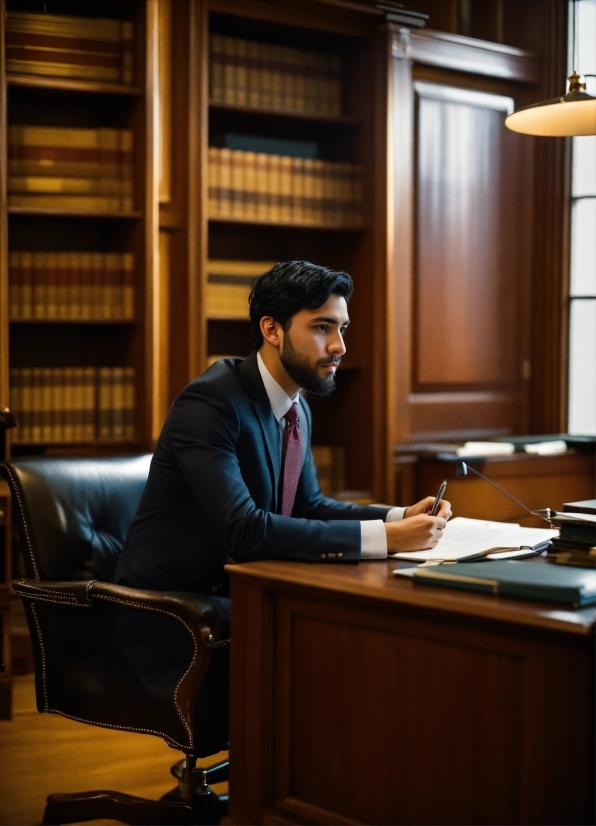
<point>71,213</point>
<point>212,317</point>
<point>216,219</point>
<point>238,109</point>
<point>21,446</point>
<point>89,322</point>
<point>72,85</point>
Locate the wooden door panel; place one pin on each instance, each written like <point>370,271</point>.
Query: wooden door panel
<point>466,295</point>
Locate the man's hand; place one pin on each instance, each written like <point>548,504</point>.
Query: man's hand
<point>425,505</point>
<point>414,533</point>
<point>418,530</point>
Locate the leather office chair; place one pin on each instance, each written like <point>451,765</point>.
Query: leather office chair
<point>72,516</point>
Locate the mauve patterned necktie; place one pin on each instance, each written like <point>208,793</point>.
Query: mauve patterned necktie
<point>292,455</point>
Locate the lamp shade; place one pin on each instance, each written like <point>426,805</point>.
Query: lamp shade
<point>567,116</point>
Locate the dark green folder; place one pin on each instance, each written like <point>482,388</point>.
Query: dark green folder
<point>525,580</point>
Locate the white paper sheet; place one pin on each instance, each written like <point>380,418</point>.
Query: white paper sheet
<point>466,538</point>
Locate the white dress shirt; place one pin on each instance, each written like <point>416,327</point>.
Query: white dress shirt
<point>372,532</point>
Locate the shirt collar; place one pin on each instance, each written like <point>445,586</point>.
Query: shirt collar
<point>278,398</point>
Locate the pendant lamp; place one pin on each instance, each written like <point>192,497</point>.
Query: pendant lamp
<point>567,116</point>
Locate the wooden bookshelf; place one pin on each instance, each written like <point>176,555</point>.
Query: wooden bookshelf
<point>94,342</point>
<point>238,109</point>
<point>274,224</point>
<point>71,213</point>
<point>71,85</point>
<point>348,138</point>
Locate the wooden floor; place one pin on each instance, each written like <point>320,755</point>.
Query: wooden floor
<point>45,753</point>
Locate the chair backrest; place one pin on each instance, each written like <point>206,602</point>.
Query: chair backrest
<point>73,514</point>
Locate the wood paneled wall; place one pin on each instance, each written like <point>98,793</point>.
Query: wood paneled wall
<point>468,195</point>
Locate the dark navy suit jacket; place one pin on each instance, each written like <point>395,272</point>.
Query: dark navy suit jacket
<point>212,491</point>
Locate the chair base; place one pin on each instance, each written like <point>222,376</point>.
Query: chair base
<point>172,809</point>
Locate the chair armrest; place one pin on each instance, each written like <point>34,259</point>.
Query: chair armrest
<point>76,594</point>
<point>195,611</point>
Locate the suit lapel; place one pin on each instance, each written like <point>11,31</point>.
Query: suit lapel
<point>253,384</point>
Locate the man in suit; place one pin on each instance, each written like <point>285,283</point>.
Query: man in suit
<point>232,478</point>
<point>233,475</point>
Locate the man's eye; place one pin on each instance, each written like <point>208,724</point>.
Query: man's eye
<point>323,327</point>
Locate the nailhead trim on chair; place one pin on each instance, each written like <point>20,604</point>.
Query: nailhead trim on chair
<point>22,509</point>
<point>194,655</point>
<point>163,735</point>
<point>43,657</point>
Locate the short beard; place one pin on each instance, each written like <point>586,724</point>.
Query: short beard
<point>300,370</point>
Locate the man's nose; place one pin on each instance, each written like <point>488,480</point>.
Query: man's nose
<point>337,345</point>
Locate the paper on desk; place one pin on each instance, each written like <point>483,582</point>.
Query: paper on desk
<point>467,538</point>
<point>486,449</point>
<point>547,448</point>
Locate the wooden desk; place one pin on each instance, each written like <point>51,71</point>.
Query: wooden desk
<point>356,697</point>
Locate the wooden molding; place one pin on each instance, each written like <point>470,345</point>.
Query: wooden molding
<point>480,57</point>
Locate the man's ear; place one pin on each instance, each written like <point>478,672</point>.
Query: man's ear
<point>271,330</point>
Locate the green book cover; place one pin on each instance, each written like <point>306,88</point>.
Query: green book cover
<point>524,580</point>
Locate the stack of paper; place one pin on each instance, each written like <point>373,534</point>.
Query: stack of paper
<point>476,539</point>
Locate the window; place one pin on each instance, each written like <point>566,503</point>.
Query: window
<point>582,300</point>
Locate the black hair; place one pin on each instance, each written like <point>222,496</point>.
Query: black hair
<point>291,286</point>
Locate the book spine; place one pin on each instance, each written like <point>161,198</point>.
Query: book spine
<point>129,404</point>
<point>241,61</point>
<point>118,405</point>
<point>287,80</point>
<point>27,284</point>
<point>318,215</point>
<point>250,185</point>
<point>216,70</point>
<point>274,176</point>
<point>285,185</point>
<point>104,407</point>
<point>39,289</point>
<point>15,280</point>
<point>309,191</point>
<point>238,190</point>
<point>16,402</point>
<point>96,287</point>
<point>68,433</point>
<point>266,76</point>
<point>263,197</point>
<point>127,52</point>
<point>51,285</point>
<point>128,265</point>
<point>297,200</point>
<point>225,172</point>
<point>214,194</point>
<point>254,75</point>
<point>229,70</point>
<point>299,71</point>
<point>57,405</point>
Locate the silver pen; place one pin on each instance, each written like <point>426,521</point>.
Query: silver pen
<point>438,497</point>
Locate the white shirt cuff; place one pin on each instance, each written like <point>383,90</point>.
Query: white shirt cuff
<point>395,514</point>
<point>373,539</point>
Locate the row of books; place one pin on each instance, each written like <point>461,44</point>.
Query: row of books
<point>58,45</point>
<point>576,543</point>
<point>229,284</point>
<point>284,189</point>
<point>71,286</point>
<point>266,76</point>
<point>68,168</point>
<point>73,404</point>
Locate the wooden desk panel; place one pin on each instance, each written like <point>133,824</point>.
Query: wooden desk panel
<point>360,698</point>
